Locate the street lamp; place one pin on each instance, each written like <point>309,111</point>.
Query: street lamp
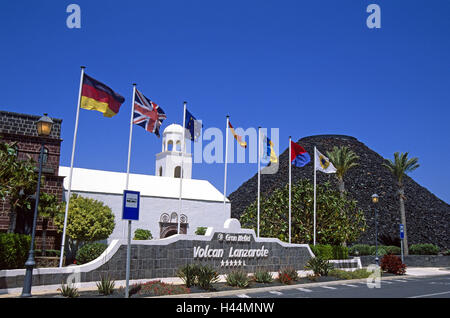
<point>43,127</point>
<point>375,201</point>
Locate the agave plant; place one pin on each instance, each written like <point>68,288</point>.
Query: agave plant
<point>68,290</point>
<point>106,285</point>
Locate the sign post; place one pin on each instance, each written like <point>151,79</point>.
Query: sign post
<point>130,212</point>
<point>402,236</point>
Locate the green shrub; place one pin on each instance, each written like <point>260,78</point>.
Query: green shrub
<point>392,250</point>
<point>238,278</point>
<point>201,230</point>
<point>319,266</point>
<point>189,274</point>
<point>13,250</point>
<point>340,274</point>
<point>206,277</point>
<point>360,273</point>
<point>324,251</point>
<point>141,234</point>
<point>446,253</point>
<point>48,253</point>
<point>263,276</point>
<point>360,250</point>
<point>328,252</point>
<point>106,285</point>
<point>423,249</point>
<point>381,250</point>
<point>357,274</point>
<point>89,252</point>
<point>340,252</point>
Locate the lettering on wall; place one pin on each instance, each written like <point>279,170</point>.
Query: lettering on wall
<point>231,256</point>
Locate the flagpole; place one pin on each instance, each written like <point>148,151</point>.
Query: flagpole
<point>226,161</point>
<point>290,177</point>
<point>314,195</point>
<point>131,134</point>
<point>259,177</point>
<point>61,255</point>
<point>182,146</point>
<point>126,188</point>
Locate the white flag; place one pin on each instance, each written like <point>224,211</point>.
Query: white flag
<point>323,163</point>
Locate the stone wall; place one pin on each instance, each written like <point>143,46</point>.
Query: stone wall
<point>162,258</point>
<point>415,260</point>
<point>21,130</point>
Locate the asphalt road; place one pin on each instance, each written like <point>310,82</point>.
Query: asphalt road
<point>403,287</point>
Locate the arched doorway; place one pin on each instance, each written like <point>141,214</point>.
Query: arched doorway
<point>168,225</point>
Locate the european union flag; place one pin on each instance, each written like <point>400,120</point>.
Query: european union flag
<point>193,125</point>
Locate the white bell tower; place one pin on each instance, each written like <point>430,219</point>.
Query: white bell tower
<point>169,160</point>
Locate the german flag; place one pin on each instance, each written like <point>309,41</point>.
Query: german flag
<point>98,96</point>
<point>238,138</point>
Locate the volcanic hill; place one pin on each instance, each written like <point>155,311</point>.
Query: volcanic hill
<point>427,217</point>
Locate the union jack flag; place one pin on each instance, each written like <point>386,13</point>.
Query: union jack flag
<point>147,114</point>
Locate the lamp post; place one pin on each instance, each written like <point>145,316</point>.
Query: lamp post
<point>375,201</point>
<point>44,127</point>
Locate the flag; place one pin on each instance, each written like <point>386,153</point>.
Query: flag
<point>323,163</point>
<point>237,137</point>
<point>193,125</point>
<point>147,114</point>
<point>299,156</point>
<point>98,96</point>
<point>269,151</point>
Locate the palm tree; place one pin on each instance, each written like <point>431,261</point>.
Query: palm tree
<point>343,159</point>
<point>399,168</point>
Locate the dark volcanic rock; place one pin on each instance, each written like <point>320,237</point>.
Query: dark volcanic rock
<point>427,216</point>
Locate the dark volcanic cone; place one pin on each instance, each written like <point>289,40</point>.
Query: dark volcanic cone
<point>427,217</point>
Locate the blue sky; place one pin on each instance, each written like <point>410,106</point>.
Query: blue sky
<point>307,67</point>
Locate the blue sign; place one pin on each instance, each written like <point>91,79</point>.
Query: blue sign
<point>130,209</point>
<point>402,231</point>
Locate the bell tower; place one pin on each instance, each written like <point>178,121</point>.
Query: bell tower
<point>171,157</point>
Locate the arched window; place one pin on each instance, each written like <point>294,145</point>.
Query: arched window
<point>177,172</point>
<point>170,145</point>
<point>178,148</point>
<point>160,171</point>
<point>45,156</point>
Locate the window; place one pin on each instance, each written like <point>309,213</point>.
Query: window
<point>170,145</point>
<point>160,171</point>
<point>177,172</point>
<point>178,148</point>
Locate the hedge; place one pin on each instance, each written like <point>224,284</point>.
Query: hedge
<point>364,249</point>
<point>14,250</point>
<point>89,252</point>
<point>423,249</point>
<point>328,252</point>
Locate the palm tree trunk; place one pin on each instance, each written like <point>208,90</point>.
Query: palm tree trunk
<point>342,190</point>
<point>341,187</point>
<point>401,193</point>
